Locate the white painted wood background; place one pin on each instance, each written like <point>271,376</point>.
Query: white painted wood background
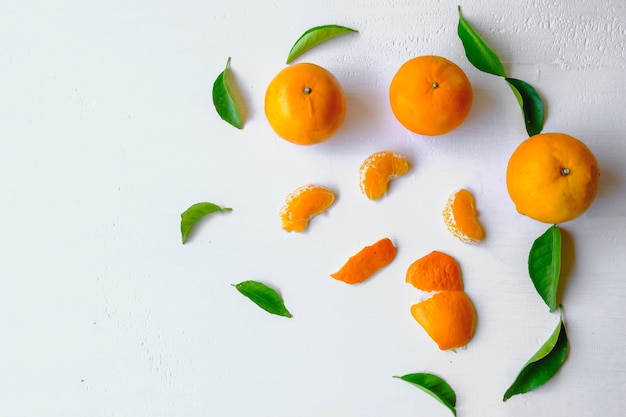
<point>107,133</point>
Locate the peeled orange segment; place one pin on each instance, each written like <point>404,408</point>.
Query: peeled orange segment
<point>378,169</point>
<point>366,262</point>
<point>304,203</point>
<point>461,217</point>
<point>448,317</point>
<point>436,271</point>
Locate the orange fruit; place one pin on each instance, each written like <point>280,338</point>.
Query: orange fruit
<point>448,317</point>
<point>378,169</point>
<point>430,95</point>
<point>436,271</point>
<point>304,203</point>
<point>461,217</point>
<point>305,104</point>
<point>552,177</point>
<point>366,262</point>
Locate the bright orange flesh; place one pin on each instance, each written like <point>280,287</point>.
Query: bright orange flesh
<point>366,262</point>
<point>305,104</point>
<point>378,169</point>
<point>552,178</point>
<point>430,95</point>
<point>461,217</point>
<point>436,271</point>
<point>304,203</point>
<point>448,317</point>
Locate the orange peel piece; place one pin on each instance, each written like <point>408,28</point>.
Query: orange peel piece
<point>461,217</point>
<point>436,271</point>
<point>304,203</point>
<point>378,169</point>
<point>367,262</point>
<point>448,317</point>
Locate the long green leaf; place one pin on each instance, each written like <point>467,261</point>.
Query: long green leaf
<point>542,366</point>
<point>434,386</point>
<point>544,265</point>
<point>531,104</point>
<point>190,217</point>
<point>315,36</point>
<point>224,99</point>
<point>477,51</point>
<point>265,297</point>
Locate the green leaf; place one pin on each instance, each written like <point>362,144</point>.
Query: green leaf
<point>477,51</point>
<point>223,98</point>
<point>190,217</point>
<point>531,104</point>
<point>434,386</point>
<point>543,365</point>
<point>315,36</point>
<point>265,297</point>
<point>544,265</point>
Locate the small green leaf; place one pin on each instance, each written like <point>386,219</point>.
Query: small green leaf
<point>544,265</point>
<point>315,36</point>
<point>265,297</point>
<point>434,386</point>
<point>190,217</point>
<point>477,51</point>
<point>223,98</point>
<point>531,104</point>
<point>543,365</point>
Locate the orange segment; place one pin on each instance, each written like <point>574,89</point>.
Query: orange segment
<point>448,317</point>
<point>304,203</point>
<point>461,217</point>
<point>436,271</point>
<point>378,169</point>
<point>366,262</point>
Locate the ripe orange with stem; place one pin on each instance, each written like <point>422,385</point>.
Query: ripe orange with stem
<point>430,95</point>
<point>552,177</point>
<point>305,104</point>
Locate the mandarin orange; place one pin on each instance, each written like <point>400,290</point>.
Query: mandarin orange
<point>430,95</point>
<point>552,177</point>
<point>305,104</point>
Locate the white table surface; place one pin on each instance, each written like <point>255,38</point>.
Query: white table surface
<point>108,133</point>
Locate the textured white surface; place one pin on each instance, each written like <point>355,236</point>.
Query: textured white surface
<point>107,133</point>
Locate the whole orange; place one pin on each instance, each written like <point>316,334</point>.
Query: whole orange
<point>552,177</point>
<point>305,104</point>
<point>430,95</point>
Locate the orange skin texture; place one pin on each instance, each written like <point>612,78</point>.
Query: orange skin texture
<point>552,178</point>
<point>378,170</point>
<point>461,217</point>
<point>448,317</point>
<point>304,203</point>
<point>305,104</point>
<point>436,271</point>
<point>430,95</point>
<point>366,262</point>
